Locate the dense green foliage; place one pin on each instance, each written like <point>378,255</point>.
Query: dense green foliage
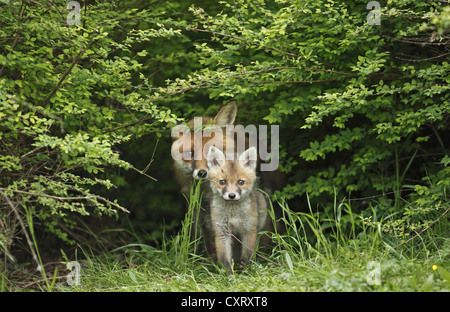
<point>69,97</point>
<point>85,110</point>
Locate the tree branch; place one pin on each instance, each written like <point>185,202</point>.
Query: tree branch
<point>66,73</point>
<point>62,198</point>
<point>242,39</point>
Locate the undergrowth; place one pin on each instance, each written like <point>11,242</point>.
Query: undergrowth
<point>337,251</point>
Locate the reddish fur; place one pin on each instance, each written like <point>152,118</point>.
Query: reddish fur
<point>184,169</point>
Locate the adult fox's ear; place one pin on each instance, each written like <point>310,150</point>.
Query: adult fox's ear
<point>226,115</point>
<point>215,157</point>
<point>249,158</point>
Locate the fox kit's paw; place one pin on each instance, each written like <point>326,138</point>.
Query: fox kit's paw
<point>227,266</point>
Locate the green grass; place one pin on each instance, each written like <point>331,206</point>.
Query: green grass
<point>347,273</point>
<point>305,258</point>
<point>330,253</point>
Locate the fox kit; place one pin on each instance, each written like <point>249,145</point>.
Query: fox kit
<point>236,207</point>
<point>192,165</point>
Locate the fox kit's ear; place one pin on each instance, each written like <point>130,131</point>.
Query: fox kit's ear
<point>215,157</point>
<point>226,115</point>
<point>248,158</point>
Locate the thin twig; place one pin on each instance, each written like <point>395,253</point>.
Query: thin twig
<point>419,233</point>
<point>30,244</point>
<point>42,280</point>
<point>424,230</point>
<point>66,73</point>
<point>293,81</point>
<point>153,156</point>
<point>30,152</point>
<point>143,172</point>
<point>421,59</point>
<point>241,39</point>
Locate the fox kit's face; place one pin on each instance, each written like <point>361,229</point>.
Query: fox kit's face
<point>232,180</point>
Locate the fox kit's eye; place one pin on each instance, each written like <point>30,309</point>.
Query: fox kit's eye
<point>222,182</point>
<point>241,182</point>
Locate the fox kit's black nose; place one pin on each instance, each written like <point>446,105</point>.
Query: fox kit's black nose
<point>202,174</point>
<point>231,196</point>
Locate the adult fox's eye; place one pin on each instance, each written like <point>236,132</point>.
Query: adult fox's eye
<point>241,182</point>
<point>222,182</point>
<point>187,155</point>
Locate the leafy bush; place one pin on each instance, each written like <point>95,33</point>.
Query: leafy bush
<point>68,99</point>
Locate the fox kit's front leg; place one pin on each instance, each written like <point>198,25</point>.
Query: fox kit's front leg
<point>248,246</point>
<point>223,249</point>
